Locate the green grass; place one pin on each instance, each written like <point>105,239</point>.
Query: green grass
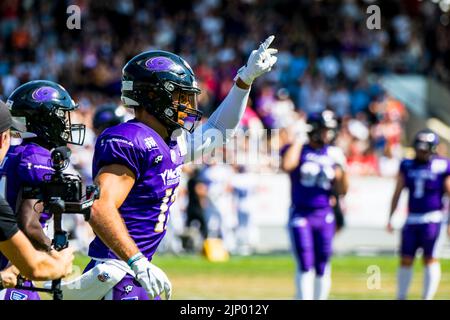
<point>271,277</point>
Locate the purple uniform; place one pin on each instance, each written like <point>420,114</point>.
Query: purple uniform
<point>24,165</point>
<point>157,168</point>
<point>425,182</point>
<point>19,294</point>
<point>312,224</point>
<point>128,289</point>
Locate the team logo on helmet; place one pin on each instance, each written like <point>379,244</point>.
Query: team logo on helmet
<point>162,64</point>
<point>426,137</point>
<point>44,94</point>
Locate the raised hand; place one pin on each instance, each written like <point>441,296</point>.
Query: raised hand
<point>259,62</point>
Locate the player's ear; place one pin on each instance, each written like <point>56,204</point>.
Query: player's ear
<point>2,139</point>
<point>5,139</point>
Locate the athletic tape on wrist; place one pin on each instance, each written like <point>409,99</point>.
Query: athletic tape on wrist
<point>135,258</point>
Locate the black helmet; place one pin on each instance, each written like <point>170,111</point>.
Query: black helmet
<point>426,140</point>
<point>107,115</point>
<point>44,107</point>
<point>319,122</point>
<point>165,85</point>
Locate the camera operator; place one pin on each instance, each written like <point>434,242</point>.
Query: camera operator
<point>45,107</point>
<point>33,264</point>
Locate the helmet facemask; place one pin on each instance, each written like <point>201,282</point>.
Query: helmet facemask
<point>59,130</point>
<point>184,107</point>
<point>322,128</point>
<point>71,133</point>
<point>179,107</point>
<point>423,153</point>
<point>425,145</point>
<point>424,150</point>
<point>318,136</point>
<point>322,135</point>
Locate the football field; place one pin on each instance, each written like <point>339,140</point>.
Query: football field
<point>271,277</point>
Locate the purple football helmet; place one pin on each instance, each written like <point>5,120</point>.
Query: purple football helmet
<point>164,84</point>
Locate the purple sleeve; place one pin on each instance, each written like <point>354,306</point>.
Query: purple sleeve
<point>34,166</point>
<point>118,150</point>
<point>402,169</point>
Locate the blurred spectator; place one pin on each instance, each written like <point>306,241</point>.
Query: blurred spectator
<point>339,100</point>
<point>282,109</point>
<point>329,66</point>
<point>220,216</point>
<point>246,232</point>
<point>195,211</point>
<point>313,94</point>
<point>388,164</point>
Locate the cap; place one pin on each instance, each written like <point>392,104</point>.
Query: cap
<point>6,120</point>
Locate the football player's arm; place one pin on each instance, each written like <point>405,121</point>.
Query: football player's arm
<point>290,159</point>
<point>447,185</point>
<point>222,124</point>
<point>220,127</point>
<point>341,182</point>
<point>28,214</point>
<point>400,184</point>
<point>115,182</point>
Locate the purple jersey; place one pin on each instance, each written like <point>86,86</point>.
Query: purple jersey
<point>312,180</point>
<point>425,182</point>
<point>24,165</point>
<point>157,168</point>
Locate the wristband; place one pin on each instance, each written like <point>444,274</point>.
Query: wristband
<point>135,258</point>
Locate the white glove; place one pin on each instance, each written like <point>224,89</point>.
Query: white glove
<point>299,132</point>
<point>152,278</point>
<point>338,156</point>
<point>259,62</point>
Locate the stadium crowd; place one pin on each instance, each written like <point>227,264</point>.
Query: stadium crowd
<point>318,68</point>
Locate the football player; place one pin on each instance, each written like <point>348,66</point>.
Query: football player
<point>35,265</point>
<point>426,177</point>
<point>317,173</point>
<point>137,164</point>
<point>44,107</point>
<point>106,116</point>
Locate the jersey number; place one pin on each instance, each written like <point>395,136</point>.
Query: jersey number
<point>163,216</point>
<point>313,176</point>
<point>3,186</point>
<point>419,188</point>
